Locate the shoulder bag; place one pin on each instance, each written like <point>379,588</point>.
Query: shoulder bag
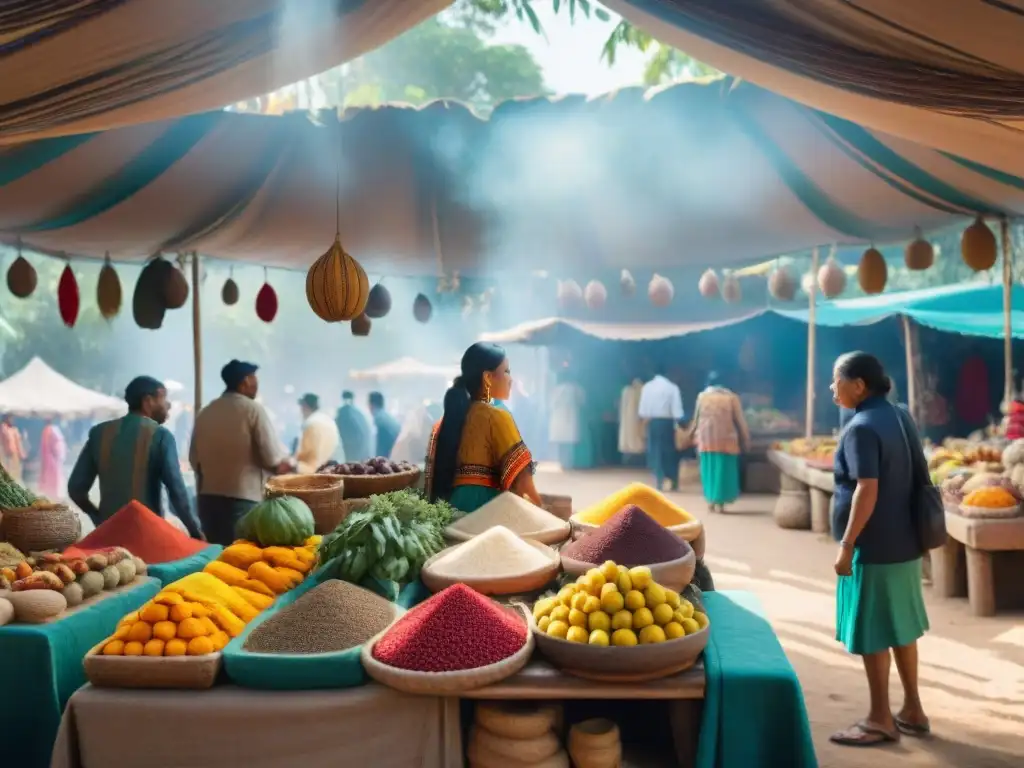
<point>926,507</point>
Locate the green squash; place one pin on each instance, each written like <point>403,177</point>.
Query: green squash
<point>280,521</point>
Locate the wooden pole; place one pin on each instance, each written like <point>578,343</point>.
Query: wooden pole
<point>197,336</point>
<point>811,344</point>
<point>910,348</point>
<point>1008,389</point>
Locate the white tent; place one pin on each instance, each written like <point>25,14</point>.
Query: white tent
<point>406,368</point>
<point>39,391</point>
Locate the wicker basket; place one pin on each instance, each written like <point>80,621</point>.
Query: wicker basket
<point>446,683</point>
<point>671,574</point>
<point>507,585</point>
<point>559,506</point>
<point>323,494</point>
<point>189,672</point>
<point>37,529</point>
<point>364,486</point>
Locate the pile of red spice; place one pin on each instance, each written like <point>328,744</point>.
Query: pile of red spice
<point>456,629</point>
<point>629,537</point>
<point>142,532</point>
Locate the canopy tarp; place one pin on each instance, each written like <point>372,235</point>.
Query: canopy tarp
<point>74,67</point>
<point>38,391</point>
<point>702,173</point>
<point>406,368</point>
<point>947,74</point>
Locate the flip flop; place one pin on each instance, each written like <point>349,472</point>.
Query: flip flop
<point>913,729</point>
<point>864,734</point>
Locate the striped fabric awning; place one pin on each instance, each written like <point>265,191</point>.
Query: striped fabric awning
<point>703,174</point>
<point>947,74</point>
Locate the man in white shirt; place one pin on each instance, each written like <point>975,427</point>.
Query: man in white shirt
<point>661,408</point>
<point>320,438</point>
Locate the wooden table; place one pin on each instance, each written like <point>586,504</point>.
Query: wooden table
<point>805,497</point>
<point>966,565</point>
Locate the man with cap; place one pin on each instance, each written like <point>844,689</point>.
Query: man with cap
<point>354,428</point>
<point>134,457</point>
<point>319,438</point>
<point>234,450</point>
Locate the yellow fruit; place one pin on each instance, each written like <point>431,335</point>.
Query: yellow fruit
<point>154,612</point>
<point>677,617</point>
<point>577,635</point>
<point>577,618</point>
<point>565,594</point>
<point>597,579</point>
<point>673,630</point>
<point>690,626</point>
<point>612,603</point>
<point>642,617</point>
<point>623,582</point>
<point>180,612</point>
<point>591,604</point>
<point>701,619</point>
<point>560,613</point>
<point>131,618</point>
<point>652,634</point>
<point>622,620</point>
<point>599,637</point>
<point>543,622</point>
<point>169,599</point>
<point>219,639</point>
<point>640,576</point>
<point>654,595</point>
<point>610,571</point>
<point>609,586</point>
<point>141,632</point>
<point>662,614</point>
<point>599,620</point>
<point>133,648</point>
<point>583,582</point>
<point>543,607</point>
<point>685,608</point>
<point>672,598</point>
<point>579,600</point>
<point>165,630</point>
<point>114,648</point>
<point>175,648</point>
<point>200,646</point>
<point>558,629</point>
<point>623,637</point>
<point>634,600</point>
<point>121,633</point>
<point>154,647</point>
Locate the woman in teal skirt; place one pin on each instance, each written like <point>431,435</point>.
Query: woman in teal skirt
<point>476,451</point>
<point>880,612</point>
<point>721,432</point>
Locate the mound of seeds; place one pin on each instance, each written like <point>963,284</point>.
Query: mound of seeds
<point>630,537</point>
<point>334,616</point>
<point>456,629</point>
<point>512,511</point>
<point>495,553</point>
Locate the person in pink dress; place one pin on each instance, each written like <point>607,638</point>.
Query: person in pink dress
<point>53,452</point>
<point>12,450</point>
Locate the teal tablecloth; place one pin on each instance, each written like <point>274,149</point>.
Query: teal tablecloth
<point>754,713</point>
<point>41,666</point>
<point>179,569</point>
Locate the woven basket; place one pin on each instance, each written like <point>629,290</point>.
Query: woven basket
<point>446,683</point>
<point>559,506</point>
<point>34,529</point>
<point>671,574</point>
<point>988,513</point>
<point>190,672</point>
<point>323,494</point>
<point>506,585</point>
<point>364,486</point>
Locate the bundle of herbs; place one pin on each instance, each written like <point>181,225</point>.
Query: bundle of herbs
<point>388,540</point>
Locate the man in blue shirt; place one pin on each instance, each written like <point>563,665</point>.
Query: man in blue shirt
<point>354,428</point>
<point>387,425</point>
<point>133,457</point>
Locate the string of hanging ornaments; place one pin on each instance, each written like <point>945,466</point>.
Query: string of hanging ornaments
<point>594,297</point>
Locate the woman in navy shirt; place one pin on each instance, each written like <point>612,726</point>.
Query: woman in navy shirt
<point>880,611</point>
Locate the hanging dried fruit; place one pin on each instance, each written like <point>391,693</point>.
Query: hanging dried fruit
<point>361,325</point>
<point>68,300</point>
<point>831,278</point>
<point>229,293</point>
<point>175,287</point>
<point>422,309</point>
<point>148,297</point>
<point>872,272</point>
<point>781,284</point>
<point>731,292</point>
<point>108,290</point>
<point>919,254</point>
<point>21,277</point>
<point>595,295</point>
<point>378,304</point>
<point>336,285</point>
<point>978,246</point>
<point>266,303</point>
<point>570,295</point>
<point>627,285</point>
<point>660,291</point>
<point>708,285</point>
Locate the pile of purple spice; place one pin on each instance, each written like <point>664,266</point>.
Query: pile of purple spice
<point>629,537</point>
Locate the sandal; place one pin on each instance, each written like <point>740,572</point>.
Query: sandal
<point>864,734</point>
<point>917,730</point>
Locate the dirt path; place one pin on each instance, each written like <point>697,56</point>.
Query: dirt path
<point>972,670</point>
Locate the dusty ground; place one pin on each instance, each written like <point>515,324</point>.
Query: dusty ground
<point>972,670</point>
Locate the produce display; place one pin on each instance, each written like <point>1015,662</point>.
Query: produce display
<point>630,537</point>
<point>141,531</point>
<point>376,466</point>
<point>514,513</point>
<point>333,616</point>
<point>956,487</point>
<point>15,496</point>
<point>495,553</point>
<point>958,456</point>
<point>456,629</point>
<point>1013,462</point>
<point>819,450</point>
<point>991,498</point>
<point>389,539</point>
<point>278,521</point>
<point>263,571</point>
<point>170,625</point>
<point>640,495</point>
<point>619,606</point>
<point>769,421</point>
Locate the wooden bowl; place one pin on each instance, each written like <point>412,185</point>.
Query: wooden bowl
<point>506,585</point>
<point>688,532</point>
<point>672,574</point>
<point>552,537</point>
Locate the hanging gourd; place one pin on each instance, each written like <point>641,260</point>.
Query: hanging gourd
<point>175,287</point>
<point>229,293</point>
<point>108,290</point>
<point>978,246</point>
<point>68,299</point>
<point>336,285</point>
<point>21,277</point>
<point>731,292</point>
<point>570,295</point>
<point>919,253</point>
<point>422,309</point>
<point>781,284</point>
<point>660,291</point>
<point>872,272</point>
<point>595,295</point>
<point>148,306</point>
<point>266,301</point>
<point>378,303</point>
<point>708,285</point>
<point>831,278</point>
<point>361,325</point>
<point>627,285</point>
